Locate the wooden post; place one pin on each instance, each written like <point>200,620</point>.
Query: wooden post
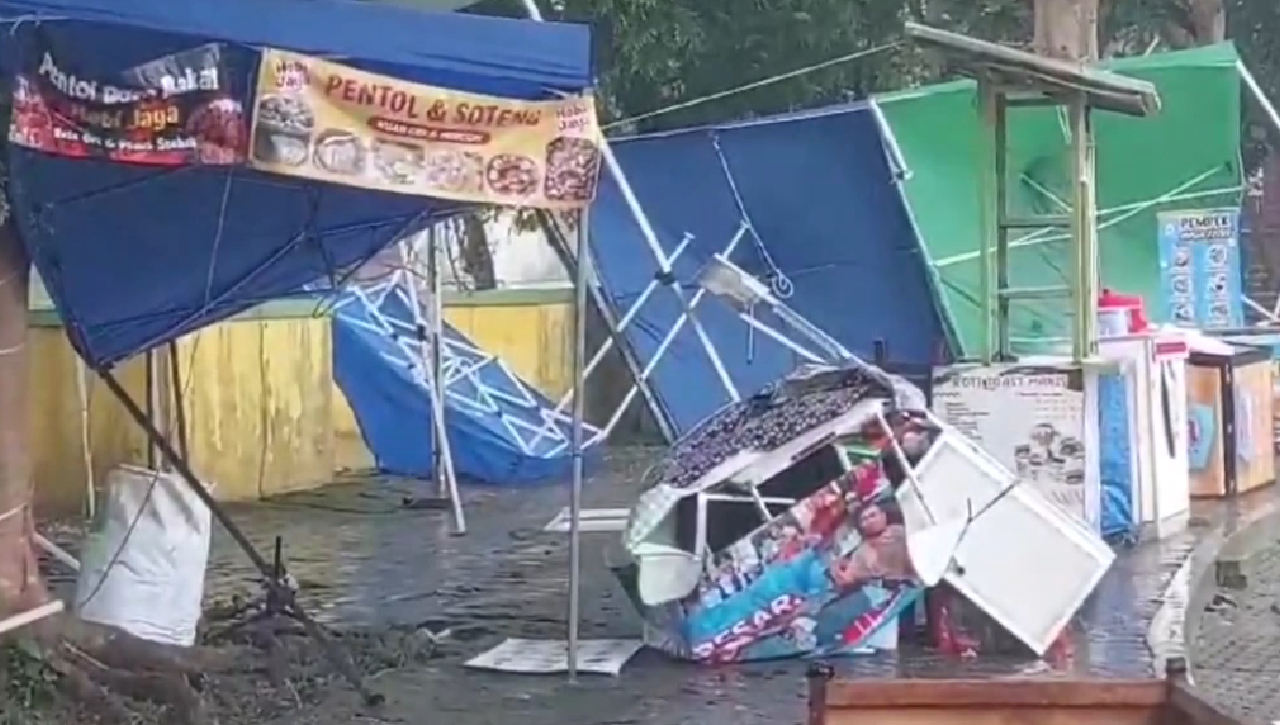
<point>991,276</point>
<point>1084,232</point>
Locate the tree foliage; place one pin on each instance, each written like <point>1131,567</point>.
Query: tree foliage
<point>657,54</point>
<point>654,54</point>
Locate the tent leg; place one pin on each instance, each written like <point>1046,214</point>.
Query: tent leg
<point>180,465</point>
<point>446,475</point>
<point>429,327</point>
<point>579,440</point>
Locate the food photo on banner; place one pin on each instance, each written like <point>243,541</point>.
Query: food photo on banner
<point>322,120</point>
<point>171,111</point>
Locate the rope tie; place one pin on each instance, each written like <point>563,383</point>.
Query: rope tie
<point>14,511</point>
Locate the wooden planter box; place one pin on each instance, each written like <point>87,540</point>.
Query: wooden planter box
<point>1230,408</point>
<point>1001,701</point>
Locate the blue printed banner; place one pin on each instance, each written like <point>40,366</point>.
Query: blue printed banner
<point>1200,268</point>
<point>828,577</point>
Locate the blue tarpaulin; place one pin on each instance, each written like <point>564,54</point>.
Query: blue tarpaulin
<point>825,223</point>
<point>501,431</point>
<point>134,256</point>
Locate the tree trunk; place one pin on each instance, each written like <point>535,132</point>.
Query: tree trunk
<point>477,259</point>
<point>21,587</point>
<point>1066,29</point>
<point>1207,21</point>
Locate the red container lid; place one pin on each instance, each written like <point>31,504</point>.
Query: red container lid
<point>1110,300</point>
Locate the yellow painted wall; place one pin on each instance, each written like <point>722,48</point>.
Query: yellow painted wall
<point>264,415</point>
<point>258,395</point>
<point>56,433</point>
<point>531,336</point>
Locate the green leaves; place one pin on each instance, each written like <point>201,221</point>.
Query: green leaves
<point>654,54</point>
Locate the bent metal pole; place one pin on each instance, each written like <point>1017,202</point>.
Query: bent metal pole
<point>651,240</point>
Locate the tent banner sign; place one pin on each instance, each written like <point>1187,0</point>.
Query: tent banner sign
<point>329,122</point>
<point>172,111</point>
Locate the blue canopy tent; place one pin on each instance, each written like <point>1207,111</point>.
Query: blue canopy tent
<point>135,256</point>
<point>501,431</point>
<point>808,202</point>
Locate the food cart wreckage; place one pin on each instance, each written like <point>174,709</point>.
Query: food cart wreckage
<point>1009,78</point>
<point>803,520</point>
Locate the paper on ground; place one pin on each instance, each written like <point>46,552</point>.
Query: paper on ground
<point>546,657</point>
<point>590,521</point>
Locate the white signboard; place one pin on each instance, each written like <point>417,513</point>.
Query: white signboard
<point>1035,420</point>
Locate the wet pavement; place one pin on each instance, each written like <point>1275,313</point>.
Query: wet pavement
<point>364,562</point>
<point>1236,654</point>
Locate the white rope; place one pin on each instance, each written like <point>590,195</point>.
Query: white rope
<point>1123,213</point>
<point>684,105</point>
<point>1272,317</point>
<point>1259,96</point>
<point>14,511</point>
<point>11,350</point>
<point>217,238</point>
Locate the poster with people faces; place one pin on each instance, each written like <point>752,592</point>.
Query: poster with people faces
<point>830,576</point>
<point>1200,268</point>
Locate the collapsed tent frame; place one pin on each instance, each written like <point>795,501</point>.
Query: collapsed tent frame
<point>1007,79</point>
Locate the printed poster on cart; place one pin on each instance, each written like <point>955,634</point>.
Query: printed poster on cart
<point>175,110</point>
<point>325,121</point>
<point>1035,421</point>
<point>1200,268</point>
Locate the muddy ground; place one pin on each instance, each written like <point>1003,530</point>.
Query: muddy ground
<point>389,580</point>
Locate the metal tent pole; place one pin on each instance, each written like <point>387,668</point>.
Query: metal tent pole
<point>442,456</point>
<point>578,440</point>
<point>651,239</point>
<point>633,311</point>
<point>568,260</point>
<point>180,465</point>
<point>433,353</point>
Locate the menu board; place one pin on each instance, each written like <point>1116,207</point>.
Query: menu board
<point>1200,268</point>
<point>171,111</point>
<point>326,121</point>
<point>1032,420</point>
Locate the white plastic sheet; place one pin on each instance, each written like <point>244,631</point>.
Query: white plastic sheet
<point>144,563</point>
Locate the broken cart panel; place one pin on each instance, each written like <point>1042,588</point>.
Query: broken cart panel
<point>804,520</point>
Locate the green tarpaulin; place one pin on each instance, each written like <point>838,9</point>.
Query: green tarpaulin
<point>1185,157</point>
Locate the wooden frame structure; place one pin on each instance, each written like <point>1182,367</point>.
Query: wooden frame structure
<point>1007,79</point>
<point>1069,700</point>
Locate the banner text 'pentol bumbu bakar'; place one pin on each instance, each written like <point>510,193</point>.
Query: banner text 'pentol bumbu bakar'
<point>172,111</point>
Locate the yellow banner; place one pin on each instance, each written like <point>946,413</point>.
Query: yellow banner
<point>324,121</point>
